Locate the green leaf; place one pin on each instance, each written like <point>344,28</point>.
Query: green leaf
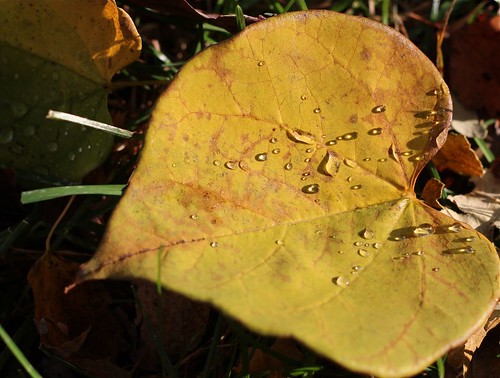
<point>53,58</point>
<point>276,183</point>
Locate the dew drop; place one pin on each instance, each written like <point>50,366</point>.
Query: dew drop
<point>18,109</point>
<point>303,178</point>
<point>216,163</point>
<point>311,189</point>
<point>368,234</point>
<point>80,149</point>
<point>455,227</point>
<point>307,160</point>
<point>376,131</point>
<point>457,251</point>
<point>470,239</point>
<point>377,245</point>
<point>231,164</point>
<point>425,229</point>
<point>407,153</point>
<point>435,269</point>
<point>6,135</point>
<point>52,147</point>
<point>341,281</point>
<point>276,151</point>
<point>357,268</point>
<point>418,253</point>
<point>363,252</point>
<point>378,109</point>
<point>350,163</point>
<point>71,156</point>
<point>261,157</point>
<point>289,166</point>
<point>303,97</point>
<point>214,244</point>
<point>356,187</point>
<point>261,63</point>
<point>273,140</point>
<point>350,136</point>
<point>243,165</point>
<point>367,159</point>
<point>193,216</point>
<point>331,142</point>
<point>305,174</point>
<point>330,164</point>
<point>29,130</point>
<point>358,243</point>
<point>399,238</point>
<point>280,242</point>
<point>401,257</point>
<point>309,150</point>
<point>317,110</point>
<point>174,165</point>
<point>382,160</point>
<point>301,136</point>
<point>350,179</point>
<point>435,92</point>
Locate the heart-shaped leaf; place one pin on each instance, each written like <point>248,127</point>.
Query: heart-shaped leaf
<point>59,55</point>
<point>276,182</point>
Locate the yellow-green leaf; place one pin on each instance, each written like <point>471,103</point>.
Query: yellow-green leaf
<point>276,183</point>
<point>59,55</point>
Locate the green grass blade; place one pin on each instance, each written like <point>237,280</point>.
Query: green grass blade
<point>39,195</point>
<point>18,354</point>
<point>488,154</point>
<point>240,18</point>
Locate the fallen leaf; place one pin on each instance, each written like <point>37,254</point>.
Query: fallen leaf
<point>77,326</point>
<point>457,155</point>
<point>241,215</point>
<point>475,67</point>
<point>60,56</point>
<point>433,190</point>
<point>481,207</point>
<point>466,122</point>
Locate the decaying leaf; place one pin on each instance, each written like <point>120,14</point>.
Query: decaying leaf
<point>481,207</point>
<point>77,326</point>
<point>457,155</point>
<point>52,57</point>
<point>466,122</point>
<point>433,190</point>
<point>242,216</point>
<point>475,72</point>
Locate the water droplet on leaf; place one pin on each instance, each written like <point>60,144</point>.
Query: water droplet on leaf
<point>261,63</point>
<point>331,142</point>
<point>376,131</point>
<point>273,140</point>
<point>309,150</point>
<point>276,151</point>
<point>52,147</point>
<point>261,157</point>
<point>216,163</point>
<point>311,189</point>
<point>435,269</point>
<point>330,164</point>
<point>455,227</point>
<point>193,216</point>
<point>368,234</point>
<point>214,244</point>
<point>280,242</point>
<point>289,166</point>
<point>301,136</point>
<point>377,245</point>
<point>303,97</point>
<point>424,229</point>
<point>378,109</point>
<point>341,281</point>
<point>350,163</point>
<point>356,187</point>
<point>363,252</point>
<point>317,110</point>
<point>231,164</point>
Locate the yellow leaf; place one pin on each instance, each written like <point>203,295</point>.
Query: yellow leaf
<point>234,197</point>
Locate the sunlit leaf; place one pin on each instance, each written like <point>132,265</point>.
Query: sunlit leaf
<point>59,55</point>
<point>276,183</point>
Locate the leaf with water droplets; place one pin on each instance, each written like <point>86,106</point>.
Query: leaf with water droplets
<point>316,244</point>
<point>59,55</point>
